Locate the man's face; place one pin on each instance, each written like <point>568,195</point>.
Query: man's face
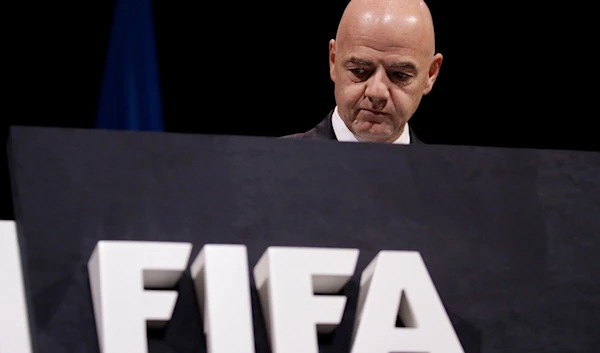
<point>381,72</point>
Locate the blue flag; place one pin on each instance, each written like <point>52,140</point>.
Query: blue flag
<point>130,96</point>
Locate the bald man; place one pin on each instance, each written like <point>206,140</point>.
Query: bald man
<point>382,63</point>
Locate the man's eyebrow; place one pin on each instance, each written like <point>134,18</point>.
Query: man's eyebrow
<point>357,61</point>
<point>407,65</point>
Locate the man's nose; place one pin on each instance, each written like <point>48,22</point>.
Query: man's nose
<point>377,88</point>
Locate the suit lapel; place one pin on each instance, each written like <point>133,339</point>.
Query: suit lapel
<point>324,130</point>
<point>414,140</point>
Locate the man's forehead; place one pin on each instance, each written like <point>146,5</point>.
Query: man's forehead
<point>369,51</point>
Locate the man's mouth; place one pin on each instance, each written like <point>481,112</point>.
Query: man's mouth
<point>375,112</point>
<point>374,116</point>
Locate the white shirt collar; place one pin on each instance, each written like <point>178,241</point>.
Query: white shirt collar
<point>343,134</point>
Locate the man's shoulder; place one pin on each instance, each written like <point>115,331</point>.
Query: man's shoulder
<point>322,131</point>
<point>297,136</point>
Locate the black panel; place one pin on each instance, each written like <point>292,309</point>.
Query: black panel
<point>510,236</point>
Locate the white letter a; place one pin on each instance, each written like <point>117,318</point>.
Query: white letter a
<point>397,283</point>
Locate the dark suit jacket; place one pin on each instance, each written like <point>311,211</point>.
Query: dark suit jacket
<point>324,131</point>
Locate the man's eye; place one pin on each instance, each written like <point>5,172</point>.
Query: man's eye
<point>401,75</point>
<point>358,72</point>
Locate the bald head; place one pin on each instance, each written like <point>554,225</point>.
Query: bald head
<point>393,22</point>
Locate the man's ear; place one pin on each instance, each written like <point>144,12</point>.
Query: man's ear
<point>434,71</point>
<point>332,60</point>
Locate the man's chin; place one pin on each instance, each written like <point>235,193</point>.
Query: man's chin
<point>374,132</point>
<point>374,137</point>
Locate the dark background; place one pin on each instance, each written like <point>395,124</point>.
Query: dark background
<point>511,77</point>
